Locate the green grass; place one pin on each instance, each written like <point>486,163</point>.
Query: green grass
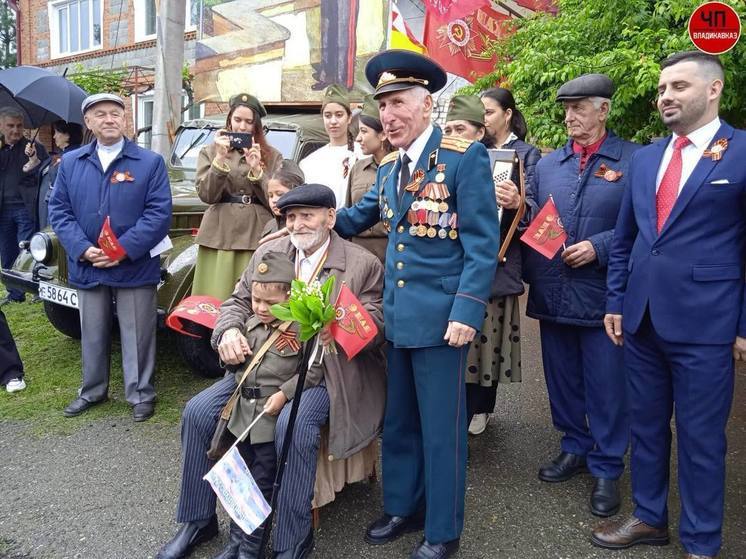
<point>53,374</point>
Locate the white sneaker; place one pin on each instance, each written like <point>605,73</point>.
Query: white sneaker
<point>479,423</point>
<point>15,385</point>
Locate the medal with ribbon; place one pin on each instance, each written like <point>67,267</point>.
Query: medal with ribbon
<point>609,175</point>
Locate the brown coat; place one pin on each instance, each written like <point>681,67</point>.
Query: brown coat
<point>232,226</point>
<point>361,179</point>
<point>357,388</point>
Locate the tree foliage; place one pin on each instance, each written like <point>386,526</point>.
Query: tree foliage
<point>99,80</point>
<point>7,36</point>
<point>625,40</point>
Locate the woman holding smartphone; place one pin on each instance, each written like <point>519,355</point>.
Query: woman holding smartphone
<point>232,179</point>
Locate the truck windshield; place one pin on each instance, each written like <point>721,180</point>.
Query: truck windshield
<point>190,140</point>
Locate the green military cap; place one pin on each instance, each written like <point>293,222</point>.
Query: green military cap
<point>370,115</point>
<point>247,100</point>
<point>274,267</point>
<point>336,93</point>
<point>466,107</point>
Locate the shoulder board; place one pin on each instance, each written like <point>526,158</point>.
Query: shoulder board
<point>393,156</point>
<point>455,144</point>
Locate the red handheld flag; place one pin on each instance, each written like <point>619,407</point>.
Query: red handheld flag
<point>546,234</point>
<point>108,242</point>
<point>353,328</point>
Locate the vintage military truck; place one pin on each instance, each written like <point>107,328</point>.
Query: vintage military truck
<point>41,268</point>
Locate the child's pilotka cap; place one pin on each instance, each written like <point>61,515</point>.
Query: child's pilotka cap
<point>274,267</point>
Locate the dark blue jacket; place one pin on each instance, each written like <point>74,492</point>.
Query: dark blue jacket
<point>140,213</point>
<point>588,206</point>
<point>690,278</point>
<point>431,281</point>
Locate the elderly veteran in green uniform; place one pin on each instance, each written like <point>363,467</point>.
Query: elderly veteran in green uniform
<point>373,143</point>
<point>495,356</point>
<point>234,184</point>
<point>440,261</point>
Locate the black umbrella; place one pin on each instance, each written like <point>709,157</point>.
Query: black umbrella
<point>42,95</point>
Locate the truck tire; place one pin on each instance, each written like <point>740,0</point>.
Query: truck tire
<point>64,319</point>
<point>199,355</point>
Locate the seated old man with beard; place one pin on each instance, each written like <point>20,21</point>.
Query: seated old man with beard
<point>350,396</point>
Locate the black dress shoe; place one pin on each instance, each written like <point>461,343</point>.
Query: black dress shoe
<point>427,550</point>
<point>143,411</point>
<point>79,405</point>
<point>562,468</point>
<point>230,551</point>
<point>189,536</point>
<point>387,528</point>
<point>300,551</point>
<point>251,544</point>
<point>605,500</point>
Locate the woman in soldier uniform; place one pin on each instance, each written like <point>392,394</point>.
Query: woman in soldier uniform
<point>495,355</point>
<point>330,164</point>
<point>233,180</point>
<point>373,143</point>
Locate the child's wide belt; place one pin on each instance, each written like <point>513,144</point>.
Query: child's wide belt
<point>258,392</point>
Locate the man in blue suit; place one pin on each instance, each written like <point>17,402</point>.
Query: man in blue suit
<point>676,276</point>
<point>435,197</point>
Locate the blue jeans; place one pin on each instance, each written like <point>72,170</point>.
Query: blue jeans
<point>16,225</point>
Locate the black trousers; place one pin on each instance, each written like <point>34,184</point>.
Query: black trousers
<point>261,460</point>
<point>10,362</point>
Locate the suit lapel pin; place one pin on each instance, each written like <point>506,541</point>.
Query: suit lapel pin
<point>716,150</point>
<point>120,176</point>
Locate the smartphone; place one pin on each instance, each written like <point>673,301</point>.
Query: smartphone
<point>239,140</point>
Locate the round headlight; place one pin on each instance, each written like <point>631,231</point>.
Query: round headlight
<point>41,247</point>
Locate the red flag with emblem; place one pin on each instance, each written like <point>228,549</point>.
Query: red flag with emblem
<point>108,242</point>
<point>352,328</point>
<point>545,234</point>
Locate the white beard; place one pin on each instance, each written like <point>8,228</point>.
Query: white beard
<point>306,241</point>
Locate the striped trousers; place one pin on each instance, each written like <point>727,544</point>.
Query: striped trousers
<point>293,514</point>
<point>197,500</point>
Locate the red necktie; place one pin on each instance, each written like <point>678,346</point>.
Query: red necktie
<point>668,190</point>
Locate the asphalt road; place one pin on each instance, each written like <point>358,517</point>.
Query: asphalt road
<point>109,491</point>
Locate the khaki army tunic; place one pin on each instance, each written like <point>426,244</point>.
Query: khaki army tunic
<point>275,371</point>
<point>235,225</point>
<point>361,179</point>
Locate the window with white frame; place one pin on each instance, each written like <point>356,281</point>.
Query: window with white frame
<point>144,108</point>
<point>146,17</point>
<point>75,26</point>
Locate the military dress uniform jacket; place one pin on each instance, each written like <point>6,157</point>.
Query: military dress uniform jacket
<point>433,280</point>
<point>588,204</point>
<point>232,225</point>
<point>357,388</point>
<point>275,370</point>
<point>362,178</point>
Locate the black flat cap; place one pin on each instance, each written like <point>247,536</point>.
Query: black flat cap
<point>395,70</point>
<point>308,196</point>
<point>587,85</point>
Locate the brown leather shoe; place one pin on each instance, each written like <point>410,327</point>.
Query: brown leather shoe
<point>624,533</point>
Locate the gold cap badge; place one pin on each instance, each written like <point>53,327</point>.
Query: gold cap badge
<point>262,268</point>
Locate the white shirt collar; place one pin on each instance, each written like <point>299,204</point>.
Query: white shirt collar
<point>418,146</point>
<point>511,137</point>
<point>114,148</point>
<point>701,137</point>
<point>305,265</point>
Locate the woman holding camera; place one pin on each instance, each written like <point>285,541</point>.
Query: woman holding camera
<point>232,176</point>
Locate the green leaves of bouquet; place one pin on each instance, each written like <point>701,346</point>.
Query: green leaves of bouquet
<point>309,305</point>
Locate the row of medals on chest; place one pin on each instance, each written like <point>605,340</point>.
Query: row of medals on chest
<point>430,207</point>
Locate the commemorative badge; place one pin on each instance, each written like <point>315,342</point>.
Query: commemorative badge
<point>609,175</point>
<point>121,176</point>
<point>716,150</point>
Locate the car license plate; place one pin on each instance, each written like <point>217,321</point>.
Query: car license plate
<point>60,295</point>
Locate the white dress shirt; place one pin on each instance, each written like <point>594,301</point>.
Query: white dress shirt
<point>107,154</point>
<point>415,150</point>
<point>700,140</point>
<point>306,265</point>
<point>327,166</point>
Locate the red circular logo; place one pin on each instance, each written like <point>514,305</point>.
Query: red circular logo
<point>714,28</point>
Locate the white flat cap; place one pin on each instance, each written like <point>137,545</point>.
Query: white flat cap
<point>91,100</point>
